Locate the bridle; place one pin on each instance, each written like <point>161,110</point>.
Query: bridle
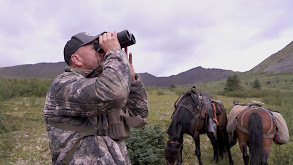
<point>174,142</point>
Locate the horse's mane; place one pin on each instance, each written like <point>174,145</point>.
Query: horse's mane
<point>181,117</point>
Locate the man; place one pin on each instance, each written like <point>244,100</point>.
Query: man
<point>98,82</point>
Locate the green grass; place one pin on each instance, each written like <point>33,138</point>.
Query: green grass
<point>25,139</point>
<point>23,135</point>
<point>161,109</point>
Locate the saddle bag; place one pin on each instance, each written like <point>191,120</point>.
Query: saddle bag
<point>283,132</point>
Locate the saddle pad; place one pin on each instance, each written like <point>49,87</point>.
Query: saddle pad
<point>231,125</point>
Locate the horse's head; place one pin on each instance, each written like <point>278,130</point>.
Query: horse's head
<point>173,153</point>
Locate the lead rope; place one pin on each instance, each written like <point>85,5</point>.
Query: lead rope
<point>186,153</point>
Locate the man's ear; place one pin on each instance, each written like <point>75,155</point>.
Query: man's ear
<point>76,59</point>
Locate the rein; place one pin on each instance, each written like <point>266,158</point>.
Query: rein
<point>174,142</point>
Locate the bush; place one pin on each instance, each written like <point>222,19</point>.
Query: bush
<point>10,88</point>
<point>2,128</point>
<point>146,146</point>
<point>283,154</point>
<point>256,84</point>
<point>233,83</point>
<point>249,93</point>
<point>160,93</point>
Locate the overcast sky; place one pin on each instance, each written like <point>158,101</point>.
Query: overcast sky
<point>171,36</point>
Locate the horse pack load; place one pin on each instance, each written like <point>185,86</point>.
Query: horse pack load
<point>281,135</point>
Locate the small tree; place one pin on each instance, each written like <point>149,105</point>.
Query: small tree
<point>146,146</point>
<point>256,84</point>
<point>172,87</point>
<point>233,83</point>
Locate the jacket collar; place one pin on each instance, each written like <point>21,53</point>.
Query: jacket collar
<point>86,73</point>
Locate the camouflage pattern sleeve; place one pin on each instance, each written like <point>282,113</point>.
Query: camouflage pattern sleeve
<point>137,103</point>
<point>76,95</point>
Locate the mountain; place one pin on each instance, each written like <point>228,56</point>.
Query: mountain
<point>40,70</point>
<point>278,63</point>
<point>50,70</point>
<point>193,76</point>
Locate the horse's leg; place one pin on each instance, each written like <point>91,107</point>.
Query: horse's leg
<point>214,143</point>
<point>227,146</point>
<point>223,142</point>
<point>245,154</point>
<point>229,154</point>
<point>181,149</point>
<point>264,158</point>
<point>197,147</point>
<point>243,139</point>
<point>266,150</point>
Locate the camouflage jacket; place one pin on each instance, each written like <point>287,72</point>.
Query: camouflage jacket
<point>74,98</point>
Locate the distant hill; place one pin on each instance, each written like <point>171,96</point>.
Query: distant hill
<point>51,70</point>
<point>193,76</point>
<point>40,70</point>
<point>278,63</point>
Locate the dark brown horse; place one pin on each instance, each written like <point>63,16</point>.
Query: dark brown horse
<point>186,119</point>
<point>256,130</point>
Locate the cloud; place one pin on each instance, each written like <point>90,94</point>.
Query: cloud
<point>172,36</point>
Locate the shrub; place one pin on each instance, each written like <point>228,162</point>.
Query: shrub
<point>2,128</point>
<point>256,84</point>
<point>233,83</point>
<point>10,88</point>
<point>283,154</point>
<point>160,93</point>
<point>172,87</point>
<point>146,146</point>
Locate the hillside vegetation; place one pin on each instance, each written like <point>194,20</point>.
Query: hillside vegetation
<point>278,63</point>
<point>23,136</point>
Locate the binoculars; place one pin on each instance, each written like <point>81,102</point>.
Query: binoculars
<point>124,37</point>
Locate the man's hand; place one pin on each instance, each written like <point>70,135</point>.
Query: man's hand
<point>131,66</point>
<point>109,41</point>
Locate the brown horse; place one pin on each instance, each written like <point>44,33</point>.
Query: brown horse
<point>255,129</point>
<point>186,119</point>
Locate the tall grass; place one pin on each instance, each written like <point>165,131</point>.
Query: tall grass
<point>10,88</point>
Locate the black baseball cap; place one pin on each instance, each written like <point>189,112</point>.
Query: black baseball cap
<point>76,42</point>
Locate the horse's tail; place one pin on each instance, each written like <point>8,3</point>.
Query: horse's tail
<point>221,134</point>
<point>255,133</point>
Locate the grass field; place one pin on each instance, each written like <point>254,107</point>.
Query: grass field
<point>23,136</point>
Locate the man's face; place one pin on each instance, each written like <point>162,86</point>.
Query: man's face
<point>89,57</point>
